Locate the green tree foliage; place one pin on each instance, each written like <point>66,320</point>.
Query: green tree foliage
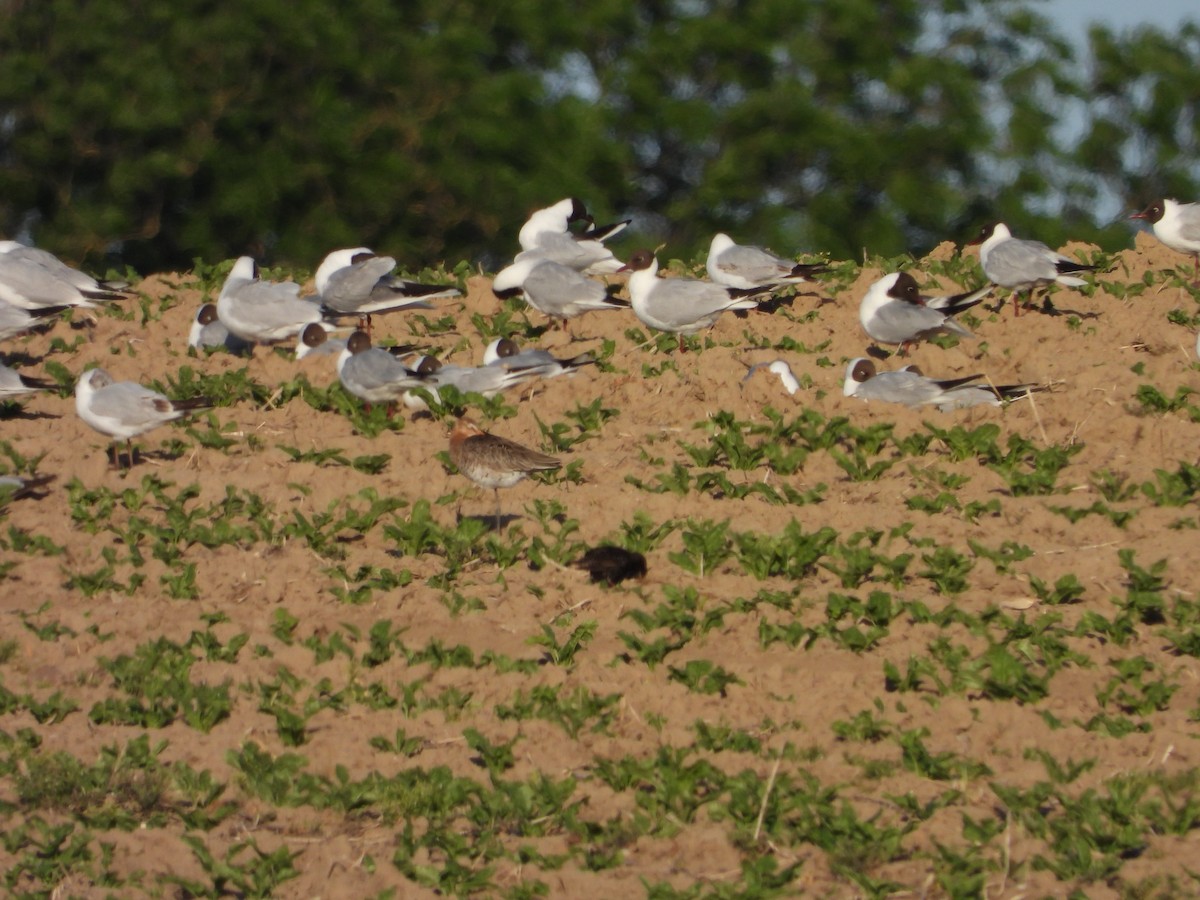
<point>838,126</point>
<point>429,129</point>
<point>1143,138</point>
<point>284,127</point>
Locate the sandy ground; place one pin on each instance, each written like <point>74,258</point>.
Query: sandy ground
<point>1095,356</point>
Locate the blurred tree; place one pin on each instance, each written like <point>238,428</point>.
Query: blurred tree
<point>1142,140</point>
<point>430,129</point>
<point>286,128</point>
<point>842,126</point>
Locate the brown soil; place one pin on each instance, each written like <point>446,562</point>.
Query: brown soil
<point>1096,356</point>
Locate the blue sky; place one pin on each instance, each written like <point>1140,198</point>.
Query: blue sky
<point>1074,16</point>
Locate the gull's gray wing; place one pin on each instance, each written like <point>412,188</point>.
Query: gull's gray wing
<point>486,380</point>
<point>754,264</point>
<point>684,303</point>
<point>349,288</point>
<point>908,388</point>
<point>1189,221</point>
<point>14,320</point>
<point>895,323</point>
<point>966,396</point>
<point>578,254</point>
<point>60,269</point>
<point>377,372</point>
<point>266,311</point>
<point>559,290</point>
<point>13,383</point>
<point>24,282</point>
<point>132,405</point>
<point>1015,262</point>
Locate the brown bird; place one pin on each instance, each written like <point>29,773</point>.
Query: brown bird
<point>492,461</point>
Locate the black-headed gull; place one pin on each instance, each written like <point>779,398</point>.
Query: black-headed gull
<point>373,374</point>
<point>14,320</point>
<point>558,219</point>
<point>506,354</point>
<point>488,381</point>
<point>893,311</point>
<point>1177,225</point>
<point>492,461</point>
<point>263,312</point>
<point>52,263</point>
<point>316,340</point>
<point>554,219</point>
<point>744,266</point>
<point>553,289</point>
<point>1022,265</point>
<point>34,279</point>
<point>14,384</point>
<point>208,332</point>
<point>909,387</point>
<point>777,367</point>
<point>357,282</point>
<point>681,305</point>
<point>125,409</point>
<point>548,231</point>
